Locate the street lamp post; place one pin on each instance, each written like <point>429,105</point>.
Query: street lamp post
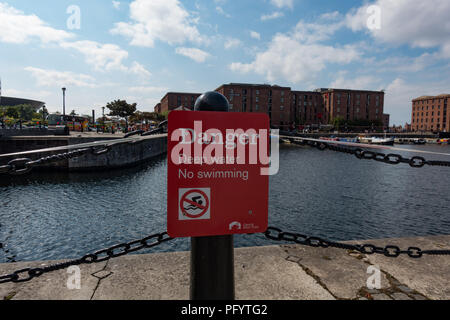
<point>64,101</point>
<point>43,117</point>
<point>103,118</point>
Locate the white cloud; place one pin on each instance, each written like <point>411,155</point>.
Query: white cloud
<point>283,3</point>
<point>255,35</point>
<point>421,24</point>
<point>148,90</point>
<point>299,56</point>
<point>51,78</point>
<point>399,95</point>
<point>39,95</point>
<point>140,70</point>
<point>330,15</point>
<point>222,12</point>
<point>106,57</point>
<point>163,20</point>
<point>193,53</point>
<point>116,4</point>
<point>101,56</point>
<point>405,64</point>
<point>275,15</point>
<point>232,43</point>
<point>16,27</point>
<point>366,82</point>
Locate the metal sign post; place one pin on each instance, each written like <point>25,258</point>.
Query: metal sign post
<point>212,258</point>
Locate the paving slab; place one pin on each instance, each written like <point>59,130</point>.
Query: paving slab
<point>429,275</point>
<point>343,274</point>
<point>267,274</point>
<point>400,296</point>
<point>260,273</point>
<point>50,286</point>
<point>159,276</point>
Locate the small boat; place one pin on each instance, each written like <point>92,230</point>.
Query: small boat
<point>419,141</point>
<point>376,140</point>
<point>382,141</point>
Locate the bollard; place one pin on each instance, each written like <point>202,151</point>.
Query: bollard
<point>212,258</point>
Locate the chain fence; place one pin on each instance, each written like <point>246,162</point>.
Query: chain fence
<point>115,251</point>
<point>391,158</point>
<point>24,165</point>
<point>271,233</point>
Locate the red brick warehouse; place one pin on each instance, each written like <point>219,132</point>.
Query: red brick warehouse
<point>429,113</point>
<point>287,108</point>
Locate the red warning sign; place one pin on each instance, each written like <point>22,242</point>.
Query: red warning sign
<point>217,184</point>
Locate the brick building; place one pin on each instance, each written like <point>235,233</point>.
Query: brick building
<point>174,100</point>
<point>307,108</point>
<point>158,108</point>
<point>429,113</point>
<point>286,107</point>
<point>272,100</point>
<point>353,104</point>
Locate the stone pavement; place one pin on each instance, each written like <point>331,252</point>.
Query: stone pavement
<point>281,272</point>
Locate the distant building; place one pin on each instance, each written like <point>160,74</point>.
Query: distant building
<point>173,100</point>
<point>353,104</point>
<point>288,108</point>
<point>307,108</point>
<point>158,108</point>
<point>11,102</point>
<point>429,113</point>
<point>262,98</point>
<point>408,127</point>
<point>386,119</point>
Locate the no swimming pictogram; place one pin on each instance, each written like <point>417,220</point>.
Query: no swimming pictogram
<point>194,203</point>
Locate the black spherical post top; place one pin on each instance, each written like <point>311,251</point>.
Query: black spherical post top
<point>212,101</point>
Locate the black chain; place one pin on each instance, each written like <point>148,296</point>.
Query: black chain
<point>389,250</point>
<point>98,256</point>
<point>415,162</point>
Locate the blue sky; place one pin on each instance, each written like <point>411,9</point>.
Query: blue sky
<point>138,50</point>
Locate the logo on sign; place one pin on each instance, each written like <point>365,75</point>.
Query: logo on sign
<point>235,226</point>
<point>194,203</point>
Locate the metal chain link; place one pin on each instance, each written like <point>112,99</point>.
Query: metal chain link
<point>415,162</point>
<point>118,250</point>
<point>389,250</point>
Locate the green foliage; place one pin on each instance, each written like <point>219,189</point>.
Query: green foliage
<point>163,116</point>
<point>139,116</point>
<point>24,112</point>
<point>340,122</point>
<point>121,108</point>
<point>12,112</point>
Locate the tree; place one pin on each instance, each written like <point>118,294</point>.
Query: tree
<point>73,113</point>
<point>12,112</point>
<point>338,122</point>
<point>120,108</point>
<point>26,112</point>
